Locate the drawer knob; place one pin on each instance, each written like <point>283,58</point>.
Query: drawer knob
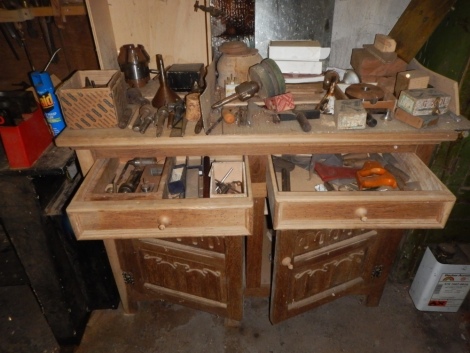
<point>163,222</point>
<point>287,261</point>
<point>361,212</point>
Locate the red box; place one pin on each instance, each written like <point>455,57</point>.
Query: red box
<point>24,143</point>
<point>280,103</point>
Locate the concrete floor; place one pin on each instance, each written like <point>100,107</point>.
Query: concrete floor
<point>345,325</point>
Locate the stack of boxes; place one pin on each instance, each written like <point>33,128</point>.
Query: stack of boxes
<point>299,60</point>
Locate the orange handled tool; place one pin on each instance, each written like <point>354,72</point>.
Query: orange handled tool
<point>373,175</point>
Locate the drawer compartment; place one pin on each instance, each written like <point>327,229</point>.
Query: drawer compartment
<point>164,210</point>
<point>428,206</point>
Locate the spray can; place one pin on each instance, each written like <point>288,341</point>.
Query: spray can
<point>50,104</point>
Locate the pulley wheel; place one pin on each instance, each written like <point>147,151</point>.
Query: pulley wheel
<point>260,75</point>
<point>365,92</point>
<point>276,74</point>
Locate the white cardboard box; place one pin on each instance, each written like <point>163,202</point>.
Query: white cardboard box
<point>300,67</point>
<point>302,50</point>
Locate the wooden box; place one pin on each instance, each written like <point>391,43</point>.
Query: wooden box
<point>423,101</point>
<point>93,107</point>
<point>305,208</point>
<point>411,79</point>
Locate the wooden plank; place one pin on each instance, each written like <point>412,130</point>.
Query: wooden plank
<point>416,24</point>
<point>101,26</point>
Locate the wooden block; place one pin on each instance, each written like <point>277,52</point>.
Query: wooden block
<point>385,57</point>
<point>350,114</point>
<point>366,64</point>
<point>410,80</point>
<point>385,43</point>
<point>417,121</point>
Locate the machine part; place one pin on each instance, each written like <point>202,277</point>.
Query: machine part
<point>365,92</point>
<point>285,167</point>
<point>162,114</point>
<point>125,118</point>
<point>370,121</point>
<point>132,182</point>
<point>262,77</point>
<point>220,184</point>
<point>138,162</point>
<point>350,77</point>
<point>388,116</point>
<point>165,95</point>
<point>330,77</point>
<point>276,74</point>
<point>146,117</point>
<point>331,81</point>
<point>133,62</point>
<point>179,128</point>
<point>134,96</point>
<point>146,186</point>
<point>243,92</point>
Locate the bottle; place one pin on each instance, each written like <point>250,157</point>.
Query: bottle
<point>48,100</point>
<point>165,95</point>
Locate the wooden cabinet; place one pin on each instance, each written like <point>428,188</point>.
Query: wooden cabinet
<point>200,272</point>
<point>315,259</point>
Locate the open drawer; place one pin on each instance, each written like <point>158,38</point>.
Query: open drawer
<point>428,206</point>
<point>159,206</point>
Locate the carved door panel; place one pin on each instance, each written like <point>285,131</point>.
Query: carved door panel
<point>314,267</point>
<point>204,273</point>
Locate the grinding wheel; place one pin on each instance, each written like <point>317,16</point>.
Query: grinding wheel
<point>276,71</point>
<point>260,75</point>
<point>365,92</point>
<point>272,77</point>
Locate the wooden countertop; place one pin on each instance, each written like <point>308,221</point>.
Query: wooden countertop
<point>264,137</point>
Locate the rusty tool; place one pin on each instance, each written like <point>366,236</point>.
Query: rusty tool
<point>285,167</point>
<point>162,114</point>
<point>243,92</point>
<point>139,163</point>
<point>145,119</point>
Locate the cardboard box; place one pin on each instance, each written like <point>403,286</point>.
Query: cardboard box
<point>300,67</point>
<point>417,121</point>
<point>303,50</point>
<point>423,101</point>
<point>281,102</point>
<point>93,107</point>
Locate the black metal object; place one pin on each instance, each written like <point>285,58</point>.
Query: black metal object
<point>69,278</point>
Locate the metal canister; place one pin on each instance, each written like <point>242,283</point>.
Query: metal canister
<point>133,62</point>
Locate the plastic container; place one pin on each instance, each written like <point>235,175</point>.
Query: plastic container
<point>440,286</point>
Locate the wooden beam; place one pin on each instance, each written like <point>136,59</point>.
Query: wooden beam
<point>417,23</point>
<point>21,15</point>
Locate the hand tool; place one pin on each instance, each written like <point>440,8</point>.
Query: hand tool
<point>125,118</point>
<point>389,162</point>
<point>130,185</point>
<point>243,92</point>
<point>285,167</point>
<point>373,175</point>
<point>214,125</point>
<point>138,162</point>
<point>199,126</point>
<point>302,119</point>
<point>220,184</point>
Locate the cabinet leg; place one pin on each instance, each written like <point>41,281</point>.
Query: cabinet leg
<point>129,306</point>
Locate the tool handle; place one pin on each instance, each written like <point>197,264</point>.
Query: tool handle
<point>303,121</point>
<point>199,126</point>
<point>126,118</point>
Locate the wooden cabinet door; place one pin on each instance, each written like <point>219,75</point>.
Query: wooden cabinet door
<point>204,273</point>
<point>314,267</point>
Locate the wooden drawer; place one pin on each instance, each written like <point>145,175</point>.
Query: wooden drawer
<point>95,214</point>
<point>427,208</point>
